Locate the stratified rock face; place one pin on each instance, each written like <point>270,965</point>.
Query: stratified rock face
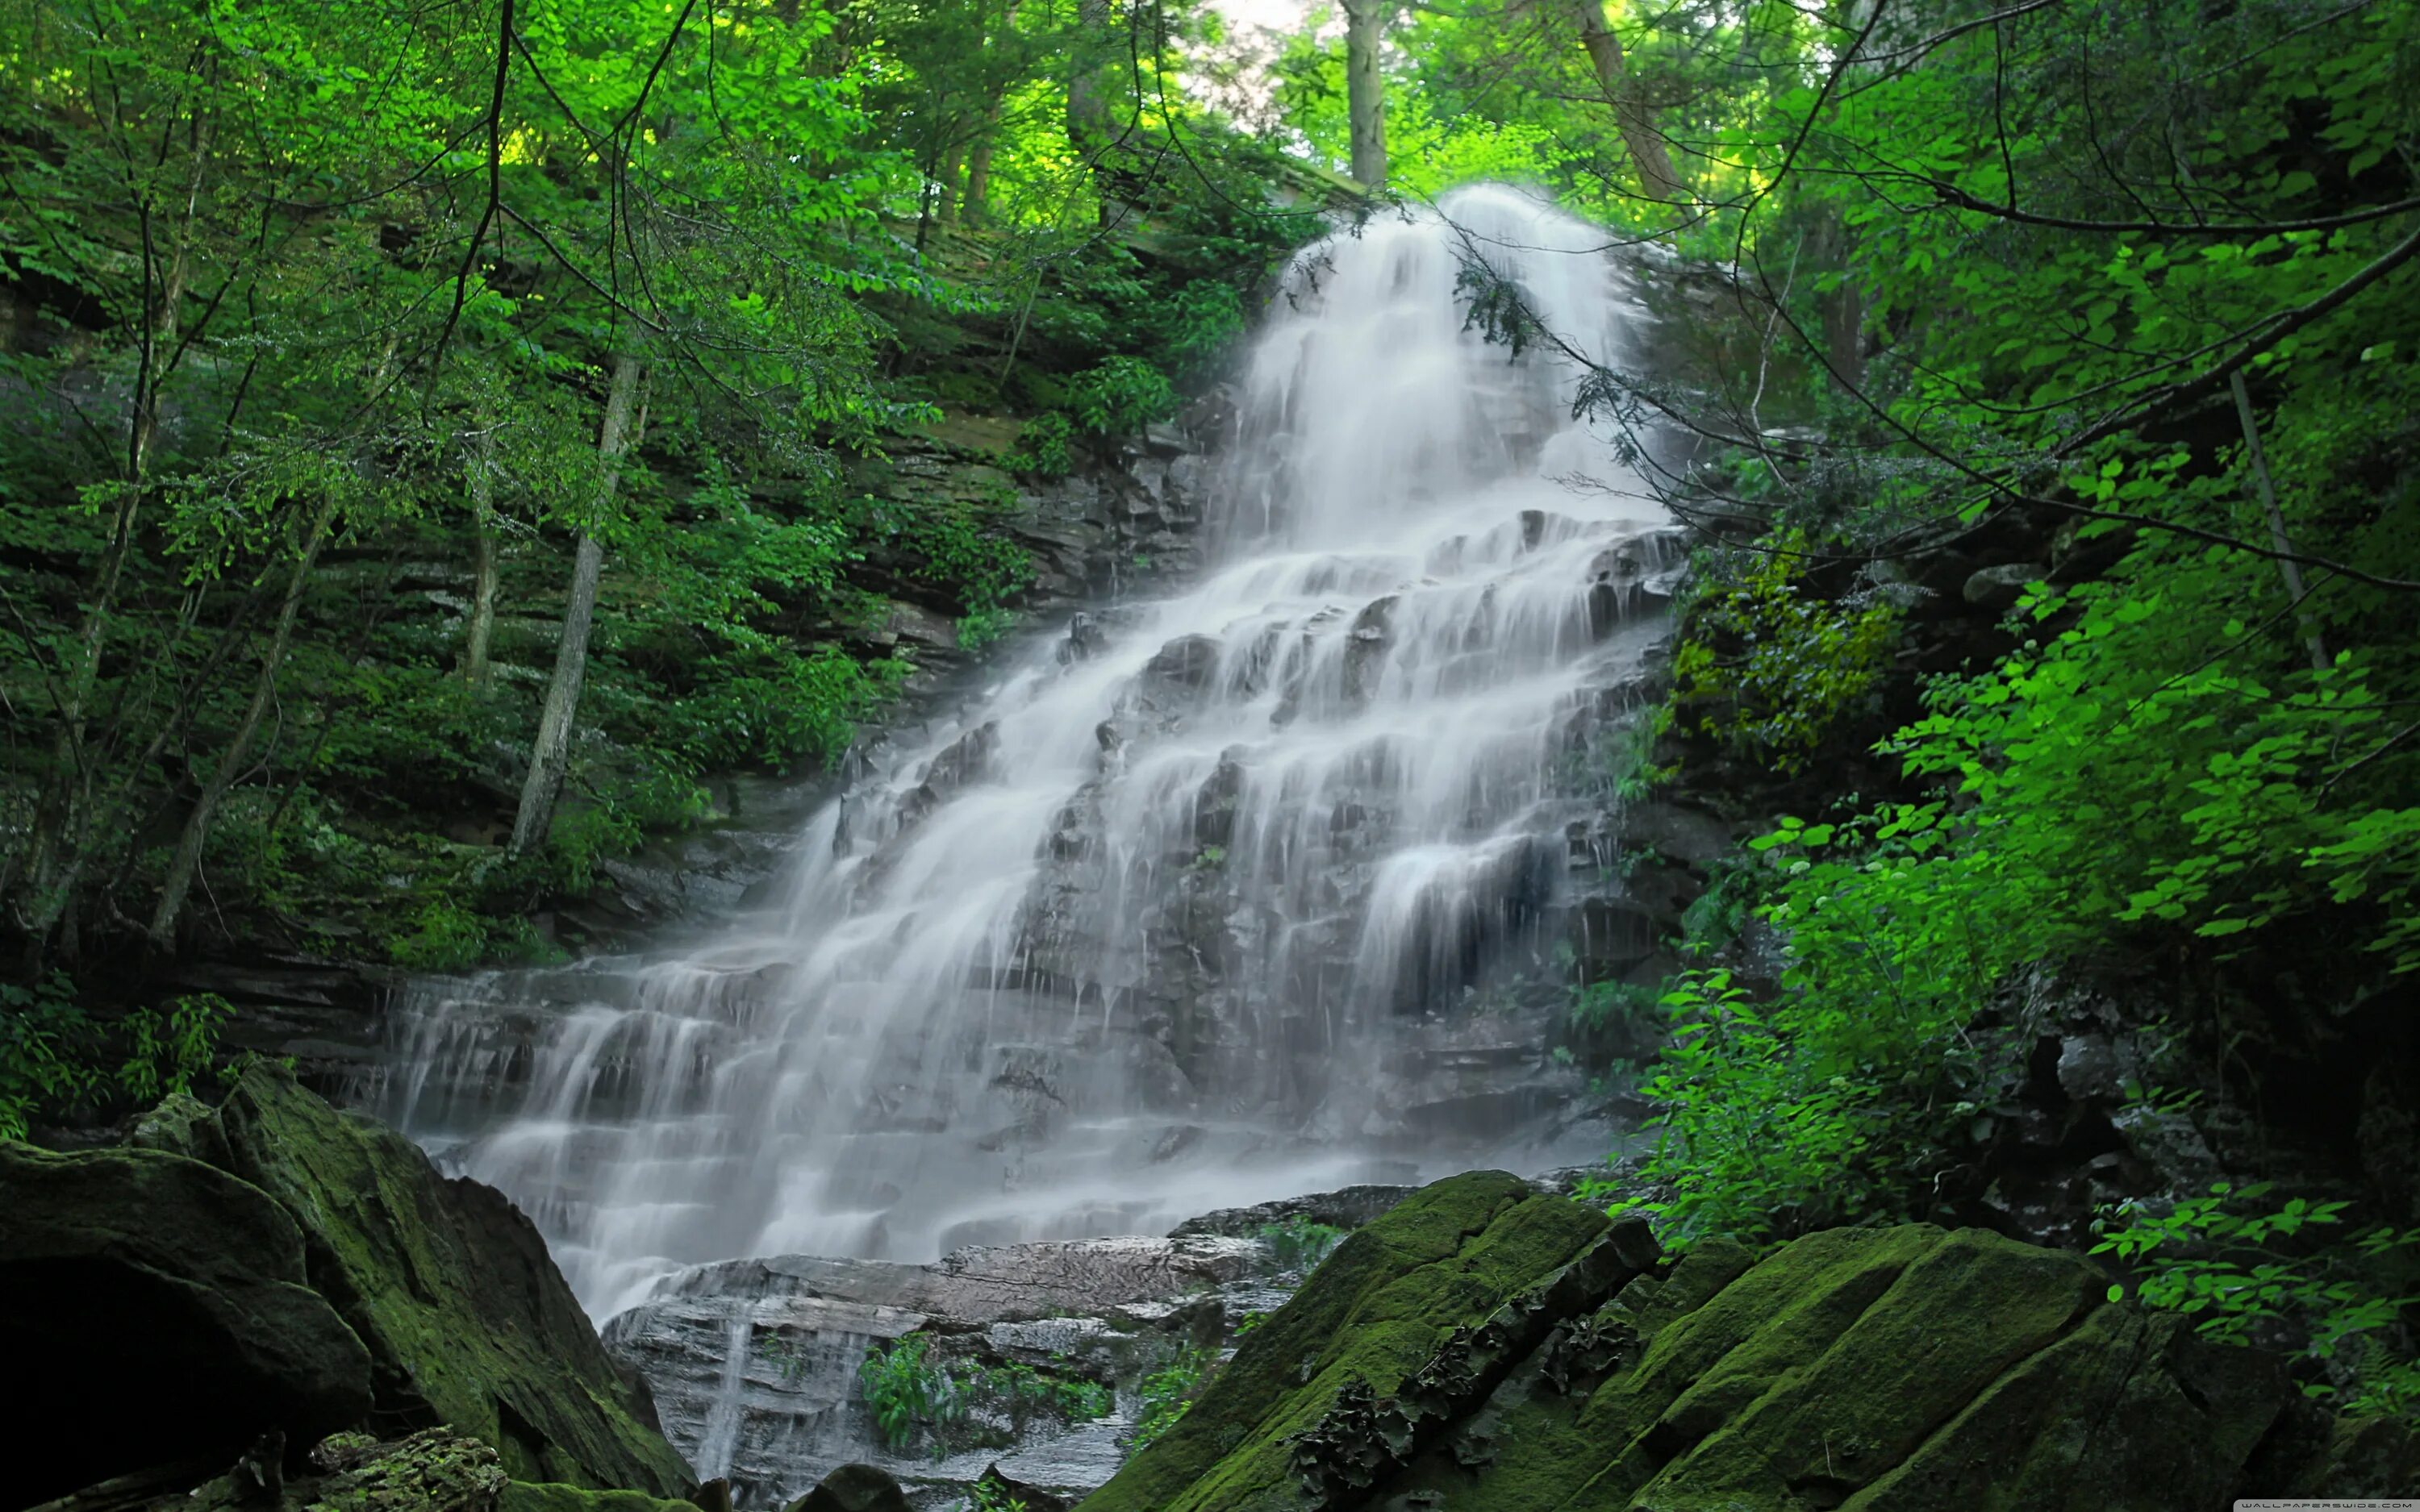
<point>756,1362</point>
<point>467,1320</point>
<point>1483,1348</point>
<point>154,1309</point>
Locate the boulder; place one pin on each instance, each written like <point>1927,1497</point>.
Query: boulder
<point>466,1319</point>
<point>157,1310</point>
<point>1405,1327</point>
<point>854,1489</point>
<point>554,1496</point>
<point>1483,1346</point>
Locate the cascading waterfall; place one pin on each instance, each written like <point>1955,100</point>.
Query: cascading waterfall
<point>1161,923</point>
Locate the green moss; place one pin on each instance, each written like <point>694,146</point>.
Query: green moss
<point>1839,1414</point>
<point>554,1496</point>
<point>467,1319</point>
<point>1370,1318</point>
<point>1901,1369</point>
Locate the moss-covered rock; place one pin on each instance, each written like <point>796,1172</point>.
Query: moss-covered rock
<point>154,1309</point>
<point>523,1496</point>
<point>431,1470</point>
<point>467,1320</point>
<point>1403,1328</point>
<point>1467,1360</point>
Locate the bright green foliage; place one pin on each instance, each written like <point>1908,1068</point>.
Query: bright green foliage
<point>987,1496</point>
<point>1166,1393</point>
<point>904,1390</point>
<point>1774,1118</point>
<point>317,304</point>
<point>910,1391</point>
<point>2240,1265</point>
<point>1769,669</point>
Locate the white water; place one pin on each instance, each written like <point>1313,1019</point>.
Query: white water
<point>1057,999</point>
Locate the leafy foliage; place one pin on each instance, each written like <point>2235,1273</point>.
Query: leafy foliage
<point>1771,669</point>
<point>57,1061</point>
<point>2243,1274</point>
<point>911,1390</point>
<point>1167,1394</point>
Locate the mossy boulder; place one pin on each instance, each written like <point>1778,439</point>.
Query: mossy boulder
<point>467,1320</point>
<point>1489,1350</point>
<point>522,1496</point>
<point>154,1309</point>
<point>1404,1328</point>
<point>431,1470</point>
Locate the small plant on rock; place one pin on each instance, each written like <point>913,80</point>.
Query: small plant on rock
<point>1169,1394</point>
<point>906,1390</point>
<point>1300,1244</point>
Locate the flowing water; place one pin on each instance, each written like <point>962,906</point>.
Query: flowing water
<point>1186,911</point>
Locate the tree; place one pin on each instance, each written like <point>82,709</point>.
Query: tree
<point>1649,156</point>
<point>1365,83</point>
<point>617,433</point>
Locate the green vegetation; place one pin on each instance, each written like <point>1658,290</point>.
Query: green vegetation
<point>2057,567</point>
<point>58,1061</point>
<point>1298,1244</point>
<point>1167,1394</point>
<point>2243,1274</point>
<point>911,1390</point>
<point>438,444</point>
<point>1769,670</point>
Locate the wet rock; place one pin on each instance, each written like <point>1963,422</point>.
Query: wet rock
<point>1183,667</point>
<point>854,1489</point>
<point>114,1260</point>
<point>1689,836</point>
<point>1085,638</point>
<point>1214,805</point>
<point>1348,1208</point>
<point>754,1363</point>
<point>1365,649</point>
<point>1628,580</point>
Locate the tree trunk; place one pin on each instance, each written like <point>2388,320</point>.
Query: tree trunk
<point>2286,567</point>
<point>188,860</point>
<point>947,212</point>
<point>1365,90</point>
<point>1657,179</point>
<point>482,625</point>
<point>976,206</point>
<point>1088,105</point>
<point>53,853</point>
<point>551,756</point>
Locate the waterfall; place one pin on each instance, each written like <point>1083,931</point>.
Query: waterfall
<point>1188,909</point>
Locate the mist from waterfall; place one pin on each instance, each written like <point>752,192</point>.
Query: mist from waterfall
<point>1141,934</point>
